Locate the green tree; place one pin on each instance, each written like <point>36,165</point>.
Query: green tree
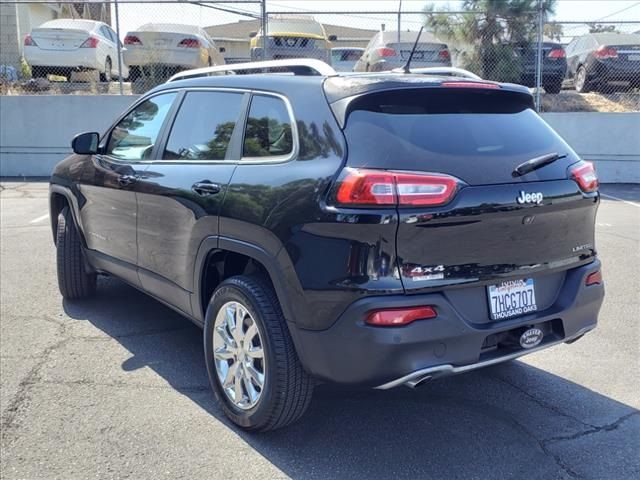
<point>554,31</point>
<point>487,31</point>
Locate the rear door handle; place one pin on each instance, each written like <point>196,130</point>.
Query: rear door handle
<point>125,180</point>
<point>205,188</point>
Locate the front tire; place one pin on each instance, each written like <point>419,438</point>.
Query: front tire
<point>252,364</point>
<point>74,279</point>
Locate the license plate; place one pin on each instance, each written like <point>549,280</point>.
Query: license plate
<point>634,58</point>
<point>511,298</point>
<point>418,55</point>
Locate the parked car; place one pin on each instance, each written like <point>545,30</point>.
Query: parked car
<point>554,65</point>
<point>387,51</point>
<point>171,47</point>
<point>292,36</point>
<point>373,231</point>
<point>604,61</point>
<point>62,46</point>
<point>343,59</point>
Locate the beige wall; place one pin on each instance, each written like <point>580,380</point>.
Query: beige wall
<point>16,21</point>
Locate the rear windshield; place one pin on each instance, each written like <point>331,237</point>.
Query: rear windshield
<point>479,137</point>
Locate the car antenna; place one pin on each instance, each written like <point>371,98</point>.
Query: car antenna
<point>407,66</point>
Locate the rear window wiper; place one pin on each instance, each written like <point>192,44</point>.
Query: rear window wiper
<point>536,163</point>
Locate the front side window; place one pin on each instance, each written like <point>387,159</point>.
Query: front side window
<point>203,127</point>
<point>134,137</point>
<point>268,132</point>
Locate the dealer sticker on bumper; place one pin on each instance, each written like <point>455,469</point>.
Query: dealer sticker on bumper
<point>511,298</point>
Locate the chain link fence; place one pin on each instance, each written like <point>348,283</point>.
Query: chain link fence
<point>131,46</point>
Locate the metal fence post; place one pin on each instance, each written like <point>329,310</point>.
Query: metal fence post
<point>119,47</point>
<point>264,15</point>
<point>539,54</point>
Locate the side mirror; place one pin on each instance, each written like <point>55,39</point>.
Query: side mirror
<point>86,143</point>
<point>222,49</point>
<point>333,38</point>
<point>253,34</point>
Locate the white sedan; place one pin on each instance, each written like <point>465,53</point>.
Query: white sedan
<point>61,46</point>
<point>172,46</point>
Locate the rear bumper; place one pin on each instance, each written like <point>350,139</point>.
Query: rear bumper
<point>185,57</point>
<point>352,352</point>
<point>79,58</point>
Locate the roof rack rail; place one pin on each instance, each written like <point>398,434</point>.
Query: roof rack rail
<point>452,71</point>
<point>299,64</point>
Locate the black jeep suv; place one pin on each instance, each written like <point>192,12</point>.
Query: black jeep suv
<point>369,229</point>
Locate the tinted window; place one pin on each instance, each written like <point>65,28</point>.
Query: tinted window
<point>268,131</point>
<point>479,137</point>
<point>106,33</point>
<point>203,127</point>
<point>133,138</point>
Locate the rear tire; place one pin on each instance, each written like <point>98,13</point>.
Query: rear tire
<point>106,75</point>
<point>581,81</point>
<point>286,388</point>
<point>74,279</point>
<point>134,73</point>
<point>553,87</point>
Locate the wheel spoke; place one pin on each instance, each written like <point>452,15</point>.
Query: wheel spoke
<point>237,390</point>
<point>251,332</point>
<point>252,393</point>
<point>224,354</point>
<point>228,341</point>
<point>255,352</point>
<point>231,375</point>
<point>256,376</point>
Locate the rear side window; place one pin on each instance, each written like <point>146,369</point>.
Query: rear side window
<point>268,131</point>
<point>203,126</point>
<point>479,136</point>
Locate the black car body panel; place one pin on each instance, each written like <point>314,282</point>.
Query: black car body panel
<point>602,69</point>
<point>159,220</point>
<point>554,67</point>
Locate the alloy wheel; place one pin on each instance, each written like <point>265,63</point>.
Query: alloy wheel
<point>238,355</point>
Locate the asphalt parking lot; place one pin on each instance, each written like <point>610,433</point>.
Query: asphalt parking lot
<point>115,387</point>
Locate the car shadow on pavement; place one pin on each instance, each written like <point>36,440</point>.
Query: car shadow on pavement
<point>512,420</point>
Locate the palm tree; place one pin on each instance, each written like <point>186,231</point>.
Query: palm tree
<point>486,32</point>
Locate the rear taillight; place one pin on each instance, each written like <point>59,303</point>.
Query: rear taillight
<point>29,41</point>
<point>594,278</point>
<point>444,54</point>
<point>189,43</point>
<point>91,42</point>
<point>585,176</point>
<point>395,317</point>
<point>606,52</point>
<point>492,86</point>
<point>132,40</point>
<point>386,52</point>
<point>360,187</point>
<point>556,53</point>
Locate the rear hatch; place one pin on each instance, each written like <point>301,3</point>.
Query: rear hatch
<point>487,226</point>
<point>59,38</point>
